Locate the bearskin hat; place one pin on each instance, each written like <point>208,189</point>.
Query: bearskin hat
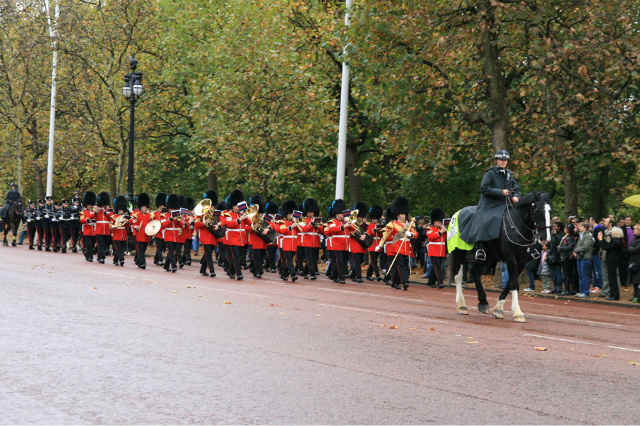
<point>288,207</point>
<point>161,199</point>
<point>339,206</point>
<point>362,208</point>
<point>173,201</point>
<point>143,200</point>
<point>212,195</point>
<point>235,197</point>
<point>104,199</point>
<point>400,206</point>
<point>389,216</point>
<point>120,203</point>
<point>257,199</point>
<point>183,201</point>
<point>222,206</point>
<point>311,205</point>
<point>437,214</point>
<point>89,198</point>
<point>375,212</point>
<point>191,203</point>
<point>271,208</point>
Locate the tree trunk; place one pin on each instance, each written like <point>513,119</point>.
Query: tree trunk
<point>497,116</point>
<point>19,160</point>
<point>599,200</point>
<point>212,180</point>
<point>570,188</point>
<point>111,172</point>
<point>352,162</point>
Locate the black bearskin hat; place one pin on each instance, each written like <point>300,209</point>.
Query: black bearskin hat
<point>89,199</point>
<point>272,208</point>
<point>183,201</point>
<point>437,214</point>
<point>173,201</point>
<point>212,195</point>
<point>191,203</point>
<point>362,208</point>
<point>235,197</point>
<point>288,207</point>
<point>311,205</point>
<point>104,199</point>
<point>161,199</point>
<point>388,215</point>
<point>222,206</point>
<point>143,200</point>
<point>400,206</point>
<point>120,203</point>
<point>375,212</point>
<point>257,199</point>
<point>339,206</point>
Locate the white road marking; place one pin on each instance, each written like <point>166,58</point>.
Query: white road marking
<point>370,294</point>
<point>232,291</point>
<point>566,319</point>
<point>582,343</point>
<point>620,313</point>
<point>115,275</point>
<point>381,313</point>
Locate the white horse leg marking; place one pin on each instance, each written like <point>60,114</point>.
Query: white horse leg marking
<point>518,316</point>
<point>498,310</point>
<point>547,220</point>
<point>462,306</point>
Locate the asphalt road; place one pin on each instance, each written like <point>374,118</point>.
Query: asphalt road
<point>90,343</point>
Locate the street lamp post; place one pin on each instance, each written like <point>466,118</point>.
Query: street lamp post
<point>132,90</point>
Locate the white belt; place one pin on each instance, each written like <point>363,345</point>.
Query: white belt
<point>288,236</point>
<point>102,221</point>
<point>307,233</point>
<point>341,236</point>
<point>172,229</point>
<point>236,230</point>
<point>438,243</point>
<point>404,239</point>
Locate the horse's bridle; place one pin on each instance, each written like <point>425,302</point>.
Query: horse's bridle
<point>535,229</point>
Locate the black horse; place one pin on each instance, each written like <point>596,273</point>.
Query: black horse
<point>523,225</point>
<point>12,221</point>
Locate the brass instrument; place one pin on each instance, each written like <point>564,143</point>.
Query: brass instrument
<point>402,233</point>
<point>120,222</point>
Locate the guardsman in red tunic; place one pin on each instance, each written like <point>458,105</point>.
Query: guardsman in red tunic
<point>374,229</point>
<point>222,250</point>
<point>238,225</point>
<point>139,221</point>
<point>356,244</point>
<point>119,222</point>
<point>161,202</point>
<point>103,232</point>
<point>188,240</point>
<point>257,241</point>
<point>329,254</point>
<point>87,220</point>
<point>182,237</point>
<point>288,230</point>
<point>437,248</point>
<point>271,210</point>
<point>401,245</point>
<point>173,226</point>
<point>340,231</point>
<point>208,240</point>
<point>310,237</point>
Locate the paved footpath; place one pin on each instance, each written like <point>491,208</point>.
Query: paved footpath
<point>85,343</point>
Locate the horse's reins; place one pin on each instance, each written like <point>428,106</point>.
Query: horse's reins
<point>536,234</point>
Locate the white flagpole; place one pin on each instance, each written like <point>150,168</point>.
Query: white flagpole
<point>344,107</point>
<point>53,33</point>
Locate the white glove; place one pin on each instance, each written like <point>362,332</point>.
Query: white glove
<point>409,234</point>
<point>377,248</point>
<point>28,220</point>
<point>46,216</point>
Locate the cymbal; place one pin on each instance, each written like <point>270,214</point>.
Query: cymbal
<point>152,228</point>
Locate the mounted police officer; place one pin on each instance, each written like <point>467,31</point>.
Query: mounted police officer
<point>12,196</point>
<point>498,186</point>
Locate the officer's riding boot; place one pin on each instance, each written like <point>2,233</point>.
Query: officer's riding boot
<point>480,253</point>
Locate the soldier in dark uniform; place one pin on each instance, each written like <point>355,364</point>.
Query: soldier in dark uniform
<point>65,225</point>
<point>40,210</point>
<point>47,214</point>
<point>30,215</point>
<point>74,222</point>
<point>188,242</point>
<point>498,188</point>
<point>56,218</point>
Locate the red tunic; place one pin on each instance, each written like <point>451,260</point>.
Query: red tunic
<point>288,235</point>
<point>102,223</point>
<point>373,230</point>
<point>310,235</point>
<point>403,245</point>
<point>355,246</point>
<point>437,242</point>
<point>172,227</point>
<point>88,229</point>
<point>118,233</point>
<point>340,236</point>
<point>206,237</point>
<point>139,223</point>
<point>237,231</point>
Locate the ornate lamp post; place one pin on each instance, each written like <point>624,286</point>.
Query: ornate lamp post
<point>132,90</point>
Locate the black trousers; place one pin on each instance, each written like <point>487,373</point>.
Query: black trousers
<point>342,259</point>
<point>358,258</point>
<point>55,235</point>
<point>300,255</point>
<point>332,270</point>
<point>118,252</point>
<point>102,246</point>
<point>89,242</point>
<point>178,253</point>
<point>311,260</point>
<point>186,251</point>
<point>271,257</point>
<point>570,274</point>
<point>287,267</point>
<point>384,260</point>
<point>258,261</point>
<point>161,247</point>
<point>75,230</point>
<point>207,259</point>
<point>222,255</point>
<point>437,272</point>
<point>400,269</point>
<point>170,261</point>
<point>66,236</point>
<point>373,264</point>
<point>47,234</point>
<point>40,229</point>
<point>32,233</point>
<point>233,260</point>
<point>614,285</point>
<point>141,248</point>
<point>243,256</point>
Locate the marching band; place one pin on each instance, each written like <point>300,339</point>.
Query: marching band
<point>286,239</point>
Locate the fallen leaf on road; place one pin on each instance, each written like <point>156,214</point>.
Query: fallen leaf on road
<point>599,356</point>
<point>382,325</point>
<point>95,288</point>
<point>254,282</point>
<point>431,328</point>
<point>539,348</point>
<point>190,286</point>
<point>392,327</point>
<point>413,328</point>
<point>175,291</point>
<point>469,337</point>
<point>634,363</point>
<point>472,341</point>
<point>274,305</point>
<point>226,302</point>
<point>318,315</point>
<point>281,313</point>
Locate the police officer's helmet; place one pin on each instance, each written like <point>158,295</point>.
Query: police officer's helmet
<point>13,185</point>
<point>501,155</point>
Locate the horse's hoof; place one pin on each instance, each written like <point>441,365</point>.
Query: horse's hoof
<point>463,310</point>
<point>5,244</point>
<point>498,313</point>
<point>519,318</point>
<point>13,244</point>
<point>483,308</point>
